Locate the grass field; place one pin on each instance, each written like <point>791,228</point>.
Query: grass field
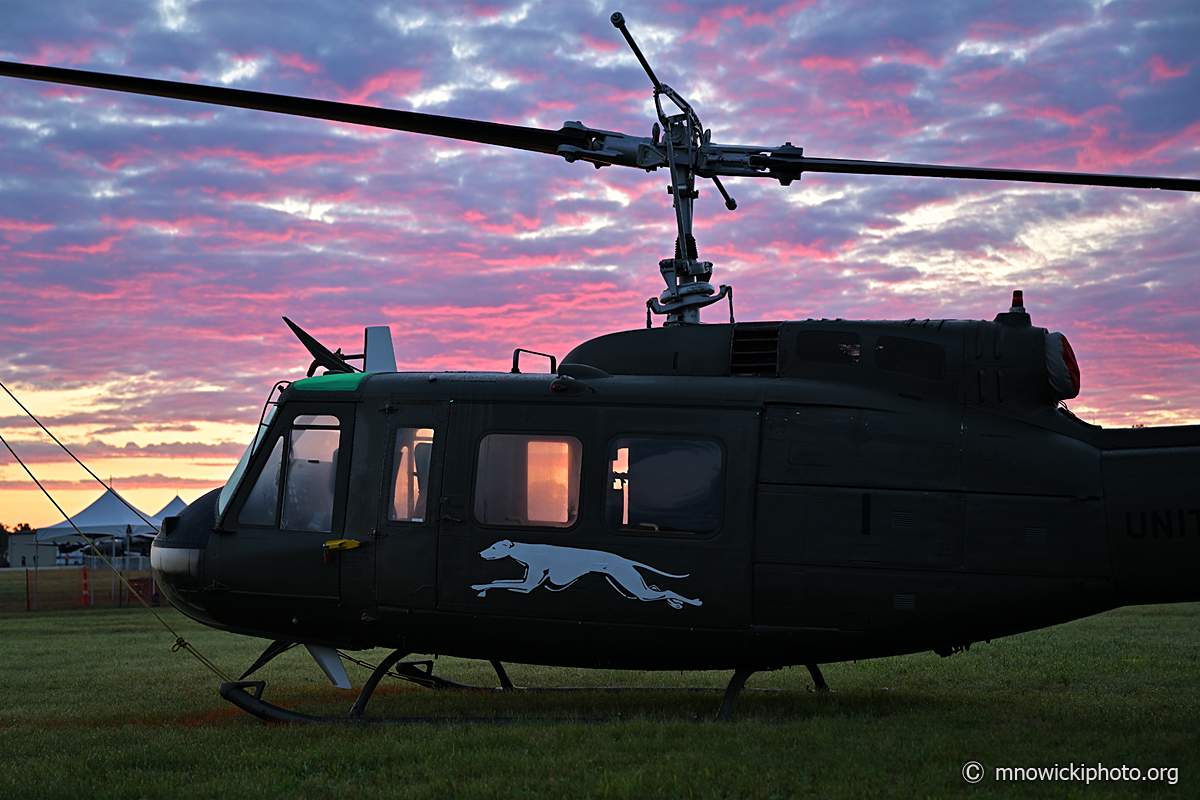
<point>95,704</point>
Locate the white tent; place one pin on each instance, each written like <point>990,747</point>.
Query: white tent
<point>107,516</point>
<point>171,509</point>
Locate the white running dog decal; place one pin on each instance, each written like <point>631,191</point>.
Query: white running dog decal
<point>556,568</point>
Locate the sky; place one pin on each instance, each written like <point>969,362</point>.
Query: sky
<point>149,247</point>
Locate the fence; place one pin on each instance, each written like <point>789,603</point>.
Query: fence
<point>74,587</point>
<point>120,563</point>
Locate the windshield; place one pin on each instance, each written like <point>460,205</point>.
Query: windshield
<point>240,469</point>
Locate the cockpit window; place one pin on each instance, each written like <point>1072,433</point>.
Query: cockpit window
<point>528,480</point>
<point>316,420</point>
<point>410,474</point>
<point>304,462</point>
<point>311,469</point>
<point>230,485</point>
<point>663,485</point>
<point>263,501</point>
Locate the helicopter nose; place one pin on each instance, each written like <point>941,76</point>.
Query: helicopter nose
<point>177,556</point>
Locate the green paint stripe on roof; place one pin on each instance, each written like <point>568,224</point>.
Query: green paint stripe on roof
<point>338,382</point>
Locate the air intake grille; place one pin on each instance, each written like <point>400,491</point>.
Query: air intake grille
<point>755,349</point>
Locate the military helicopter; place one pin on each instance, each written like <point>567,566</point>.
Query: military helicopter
<point>741,495</point>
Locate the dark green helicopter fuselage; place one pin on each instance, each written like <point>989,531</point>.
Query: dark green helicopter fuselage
<point>695,497</point>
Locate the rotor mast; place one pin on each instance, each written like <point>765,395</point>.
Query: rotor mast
<point>687,277</point>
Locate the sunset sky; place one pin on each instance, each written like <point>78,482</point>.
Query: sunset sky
<point>148,248</point>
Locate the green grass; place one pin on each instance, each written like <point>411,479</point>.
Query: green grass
<point>94,704</point>
<point>12,589</point>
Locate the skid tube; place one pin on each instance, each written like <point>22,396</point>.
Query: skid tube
<point>248,695</point>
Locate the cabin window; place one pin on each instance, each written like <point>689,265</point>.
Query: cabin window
<point>664,486</point>
<point>304,463</point>
<point>528,480</point>
<point>410,474</point>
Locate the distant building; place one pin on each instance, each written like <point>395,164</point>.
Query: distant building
<point>23,549</point>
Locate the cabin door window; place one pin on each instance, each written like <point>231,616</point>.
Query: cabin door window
<point>410,476</point>
<point>528,480</point>
<point>664,485</point>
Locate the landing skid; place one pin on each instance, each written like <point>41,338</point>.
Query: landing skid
<point>248,695</point>
<point>738,681</point>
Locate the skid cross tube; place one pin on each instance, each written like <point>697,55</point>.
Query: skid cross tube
<point>248,695</point>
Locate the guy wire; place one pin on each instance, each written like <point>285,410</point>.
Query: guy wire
<point>29,414</point>
<point>180,642</point>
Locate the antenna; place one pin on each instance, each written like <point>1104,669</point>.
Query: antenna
<point>687,277</point>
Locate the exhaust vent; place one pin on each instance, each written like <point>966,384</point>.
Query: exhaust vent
<point>755,349</point>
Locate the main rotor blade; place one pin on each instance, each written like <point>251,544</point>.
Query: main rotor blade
<point>514,136</point>
<point>784,164</point>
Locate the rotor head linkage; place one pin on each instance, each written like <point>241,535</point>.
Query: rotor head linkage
<point>618,21</point>
<point>687,277</point>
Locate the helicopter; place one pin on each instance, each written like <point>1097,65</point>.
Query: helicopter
<point>741,495</point>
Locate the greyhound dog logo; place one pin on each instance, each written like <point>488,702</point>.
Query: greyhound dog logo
<point>556,568</point>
